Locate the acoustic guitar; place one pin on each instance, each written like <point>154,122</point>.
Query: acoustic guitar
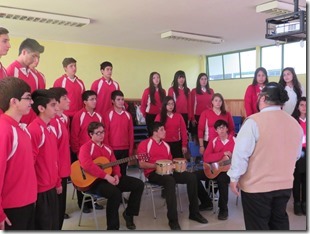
<point>83,180</point>
<point>212,170</point>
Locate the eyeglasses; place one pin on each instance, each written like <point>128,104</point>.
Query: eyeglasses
<point>26,98</point>
<point>99,133</point>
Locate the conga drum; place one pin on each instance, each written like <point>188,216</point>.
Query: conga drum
<point>164,167</point>
<point>180,164</point>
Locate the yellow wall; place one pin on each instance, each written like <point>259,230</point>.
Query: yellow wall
<point>131,68</point>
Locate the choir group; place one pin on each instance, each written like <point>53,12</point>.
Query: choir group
<point>45,130</point>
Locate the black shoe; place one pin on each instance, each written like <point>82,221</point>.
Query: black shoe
<point>129,221</point>
<point>206,206</point>
<point>66,216</point>
<point>198,217</point>
<point>297,208</point>
<point>304,208</point>
<point>223,215</point>
<point>174,225</point>
<point>98,207</point>
<point>86,210</point>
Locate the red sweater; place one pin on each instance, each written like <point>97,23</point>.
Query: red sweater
<point>103,88</point>
<point>146,106</point>
<point>89,152</point>
<point>45,152</point>
<point>183,103</point>
<point>80,121</point>
<point>216,148</point>
<point>119,130</point>
<point>18,182</point>
<point>175,128</point>
<point>250,99</point>
<point>64,161</point>
<point>75,89</point>
<point>17,70</point>
<point>156,151</point>
<point>200,102</point>
<point>206,124</point>
<point>3,72</point>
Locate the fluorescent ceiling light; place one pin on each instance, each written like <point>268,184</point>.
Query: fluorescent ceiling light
<point>42,17</point>
<point>191,37</point>
<point>276,8</point>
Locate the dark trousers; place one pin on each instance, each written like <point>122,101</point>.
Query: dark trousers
<point>149,120</point>
<point>222,180</point>
<point>62,199</point>
<point>300,187</point>
<point>176,149</point>
<point>169,182</point>
<point>300,179</point>
<point>266,211</point>
<point>114,195</point>
<point>22,218</point>
<point>185,117</point>
<point>194,128</point>
<point>47,211</point>
<point>120,154</point>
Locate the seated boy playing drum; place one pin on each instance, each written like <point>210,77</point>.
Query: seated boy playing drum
<point>158,150</point>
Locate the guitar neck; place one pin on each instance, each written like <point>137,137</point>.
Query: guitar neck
<point>224,163</point>
<point>117,162</point>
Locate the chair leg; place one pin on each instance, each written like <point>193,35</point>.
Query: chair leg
<point>94,211</point>
<point>73,193</point>
<point>153,203</point>
<point>179,197</point>
<point>81,212</point>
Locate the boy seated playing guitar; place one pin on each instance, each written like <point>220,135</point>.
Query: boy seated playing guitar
<point>108,183</point>
<point>217,158</point>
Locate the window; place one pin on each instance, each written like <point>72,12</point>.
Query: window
<point>215,67</point>
<point>232,65</point>
<point>295,56</point>
<point>271,60</point>
<point>248,63</point>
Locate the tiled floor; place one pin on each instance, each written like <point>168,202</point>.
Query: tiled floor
<point>146,221</point>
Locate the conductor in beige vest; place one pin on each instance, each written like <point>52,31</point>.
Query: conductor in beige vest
<point>263,161</point>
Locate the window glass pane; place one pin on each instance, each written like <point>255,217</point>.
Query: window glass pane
<point>215,68</point>
<point>295,56</point>
<point>231,66</point>
<point>271,60</point>
<point>248,63</point>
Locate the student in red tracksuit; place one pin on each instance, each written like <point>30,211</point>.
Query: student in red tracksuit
<point>300,172</point>
<point>157,149</point>
<point>45,153</point>
<point>18,182</point>
<point>29,52</point>
<point>119,129</point>
<point>206,130</point>
<point>151,100</point>
<point>253,90</point>
<point>201,100</point>
<point>111,185</point>
<point>74,86</point>
<point>4,48</point>
<point>79,134</point>
<point>181,95</point>
<point>218,148</point>
<point>176,133</point>
<point>104,86</point>
<point>60,123</point>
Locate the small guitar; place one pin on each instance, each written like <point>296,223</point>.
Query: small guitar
<point>83,180</point>
<point>212,170</point>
